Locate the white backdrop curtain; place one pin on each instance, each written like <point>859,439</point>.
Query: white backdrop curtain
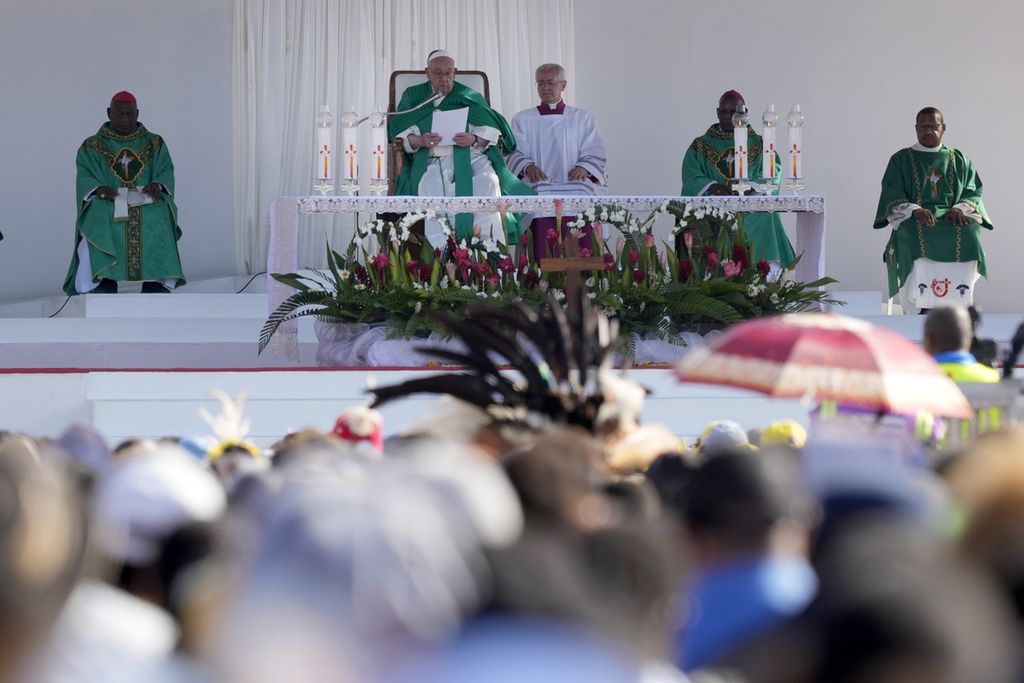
<point>291,56</point>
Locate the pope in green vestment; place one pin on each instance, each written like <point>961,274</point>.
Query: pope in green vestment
<point>141,244</point>
<point>943,181</point>
<point>467,162</point>
<point>709,161</point>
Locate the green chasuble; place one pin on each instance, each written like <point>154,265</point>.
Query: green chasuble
<point>936,181</point>
<point>480,114</point>
<point>142,246</point>
<point>709,159</point>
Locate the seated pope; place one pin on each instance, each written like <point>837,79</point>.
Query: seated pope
<point>127,226</point>
<point>471,163</point>
<point>708,170</point>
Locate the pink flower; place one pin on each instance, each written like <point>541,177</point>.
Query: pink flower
<point>634,257</point>
<point>576,233</point>
<point>480,268</point>
<point>437,252</point>
<point>461,255</point>
<point>493,278</point>
<point>620,244</point>
<point>648,241</point>
<point>477,231</point>
<point>381,261</point>
<point>532,278</point>
<point>413,266</point>
<point>763,267</point>
<point>609,261</point>
<point>585,253</point>
<point>524,239</point>
<point>559,209</point>
<point>426,270</point>
<point>639,275</point>
<point>524,261</point>
<point>543,284</point>
<point>505,265</point>
<point>732,268</point>
<point>361,275</point>
<point>688,241</point>
<point>712,260</point>
<point>450,269</point>
<point>685,270</point>
<point>552,237</point>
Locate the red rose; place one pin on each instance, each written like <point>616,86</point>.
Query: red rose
<point>739,255</point>
<point>639,275</point>
<point>685,270</point>
<point>763,268</point>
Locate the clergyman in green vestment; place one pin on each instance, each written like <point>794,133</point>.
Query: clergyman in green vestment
<point>127,227</point>
<point>708,168</point>
<point>469,164</point>
<point>931,198</point>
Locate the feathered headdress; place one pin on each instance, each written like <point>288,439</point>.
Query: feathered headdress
<point>230,427</point>
<point>560,358</point>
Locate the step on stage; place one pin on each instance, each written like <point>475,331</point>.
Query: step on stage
<point>140,365</point>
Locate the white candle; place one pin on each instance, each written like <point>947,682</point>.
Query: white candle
<point>739,143</point>
<point>769,121</point>
<point>378,151</point>
<point>794,164</point>
<point>323,147</point>
<point>350,153</point>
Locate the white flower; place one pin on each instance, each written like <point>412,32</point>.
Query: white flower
<point>360,286</point>
<point>707,276</point>
<point>590,282</point>
<point>444,282</point>
<point>490,246</point>
<point>751,291</point>
<point>604,214</point>
<point>405,234</point>
<point>344,275</point>
<point>467,287</point>
<point>664,207</point>
<point>681,224</point>
<point>698,214</point>
<point>392,234</point>
<point>446,230</point>
<point>482,295</point>
<point>559,295</point>
<point>774,298</point>
<point>643,305</point>
<point>433,214</point>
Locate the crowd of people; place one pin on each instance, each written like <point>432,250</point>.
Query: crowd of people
<point>537,533</point>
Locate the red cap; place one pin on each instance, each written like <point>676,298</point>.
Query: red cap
<point>124,96</point>
<point>360,424</point>
<point>732,94</point>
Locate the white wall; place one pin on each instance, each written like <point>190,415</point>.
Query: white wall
<point>652,70</point>
<point>60,61</point>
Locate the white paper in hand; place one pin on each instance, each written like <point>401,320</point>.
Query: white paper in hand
<point>448,123</point>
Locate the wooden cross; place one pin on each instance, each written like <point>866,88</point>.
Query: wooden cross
<point>572,264</point>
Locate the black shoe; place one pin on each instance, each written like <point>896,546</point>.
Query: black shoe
<point>154,288</point>
<point>106,286</point>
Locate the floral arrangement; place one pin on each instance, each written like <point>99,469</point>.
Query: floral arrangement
<point>390,274</point>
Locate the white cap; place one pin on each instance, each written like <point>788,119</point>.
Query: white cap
<point>145,498</point>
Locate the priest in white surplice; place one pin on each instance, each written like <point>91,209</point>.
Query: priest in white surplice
<point>558,152</point>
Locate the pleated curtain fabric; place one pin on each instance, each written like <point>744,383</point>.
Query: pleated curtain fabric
<point>291,56</point>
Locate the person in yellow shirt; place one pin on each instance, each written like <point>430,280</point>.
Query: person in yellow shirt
<point>947,338</point>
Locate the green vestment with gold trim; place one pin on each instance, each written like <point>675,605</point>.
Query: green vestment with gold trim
<point>142,246</point>
<point>936,181</point>
<point>708,160</point>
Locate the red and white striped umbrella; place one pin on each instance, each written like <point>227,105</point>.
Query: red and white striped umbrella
<point>826,357</point>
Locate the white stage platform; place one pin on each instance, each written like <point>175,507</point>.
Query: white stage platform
<point>140,365</point>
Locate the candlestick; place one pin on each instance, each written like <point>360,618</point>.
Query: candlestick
<point>350,152</point>
<point>324,149</point>
<point>378,153</point>
<point>794,163</point>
